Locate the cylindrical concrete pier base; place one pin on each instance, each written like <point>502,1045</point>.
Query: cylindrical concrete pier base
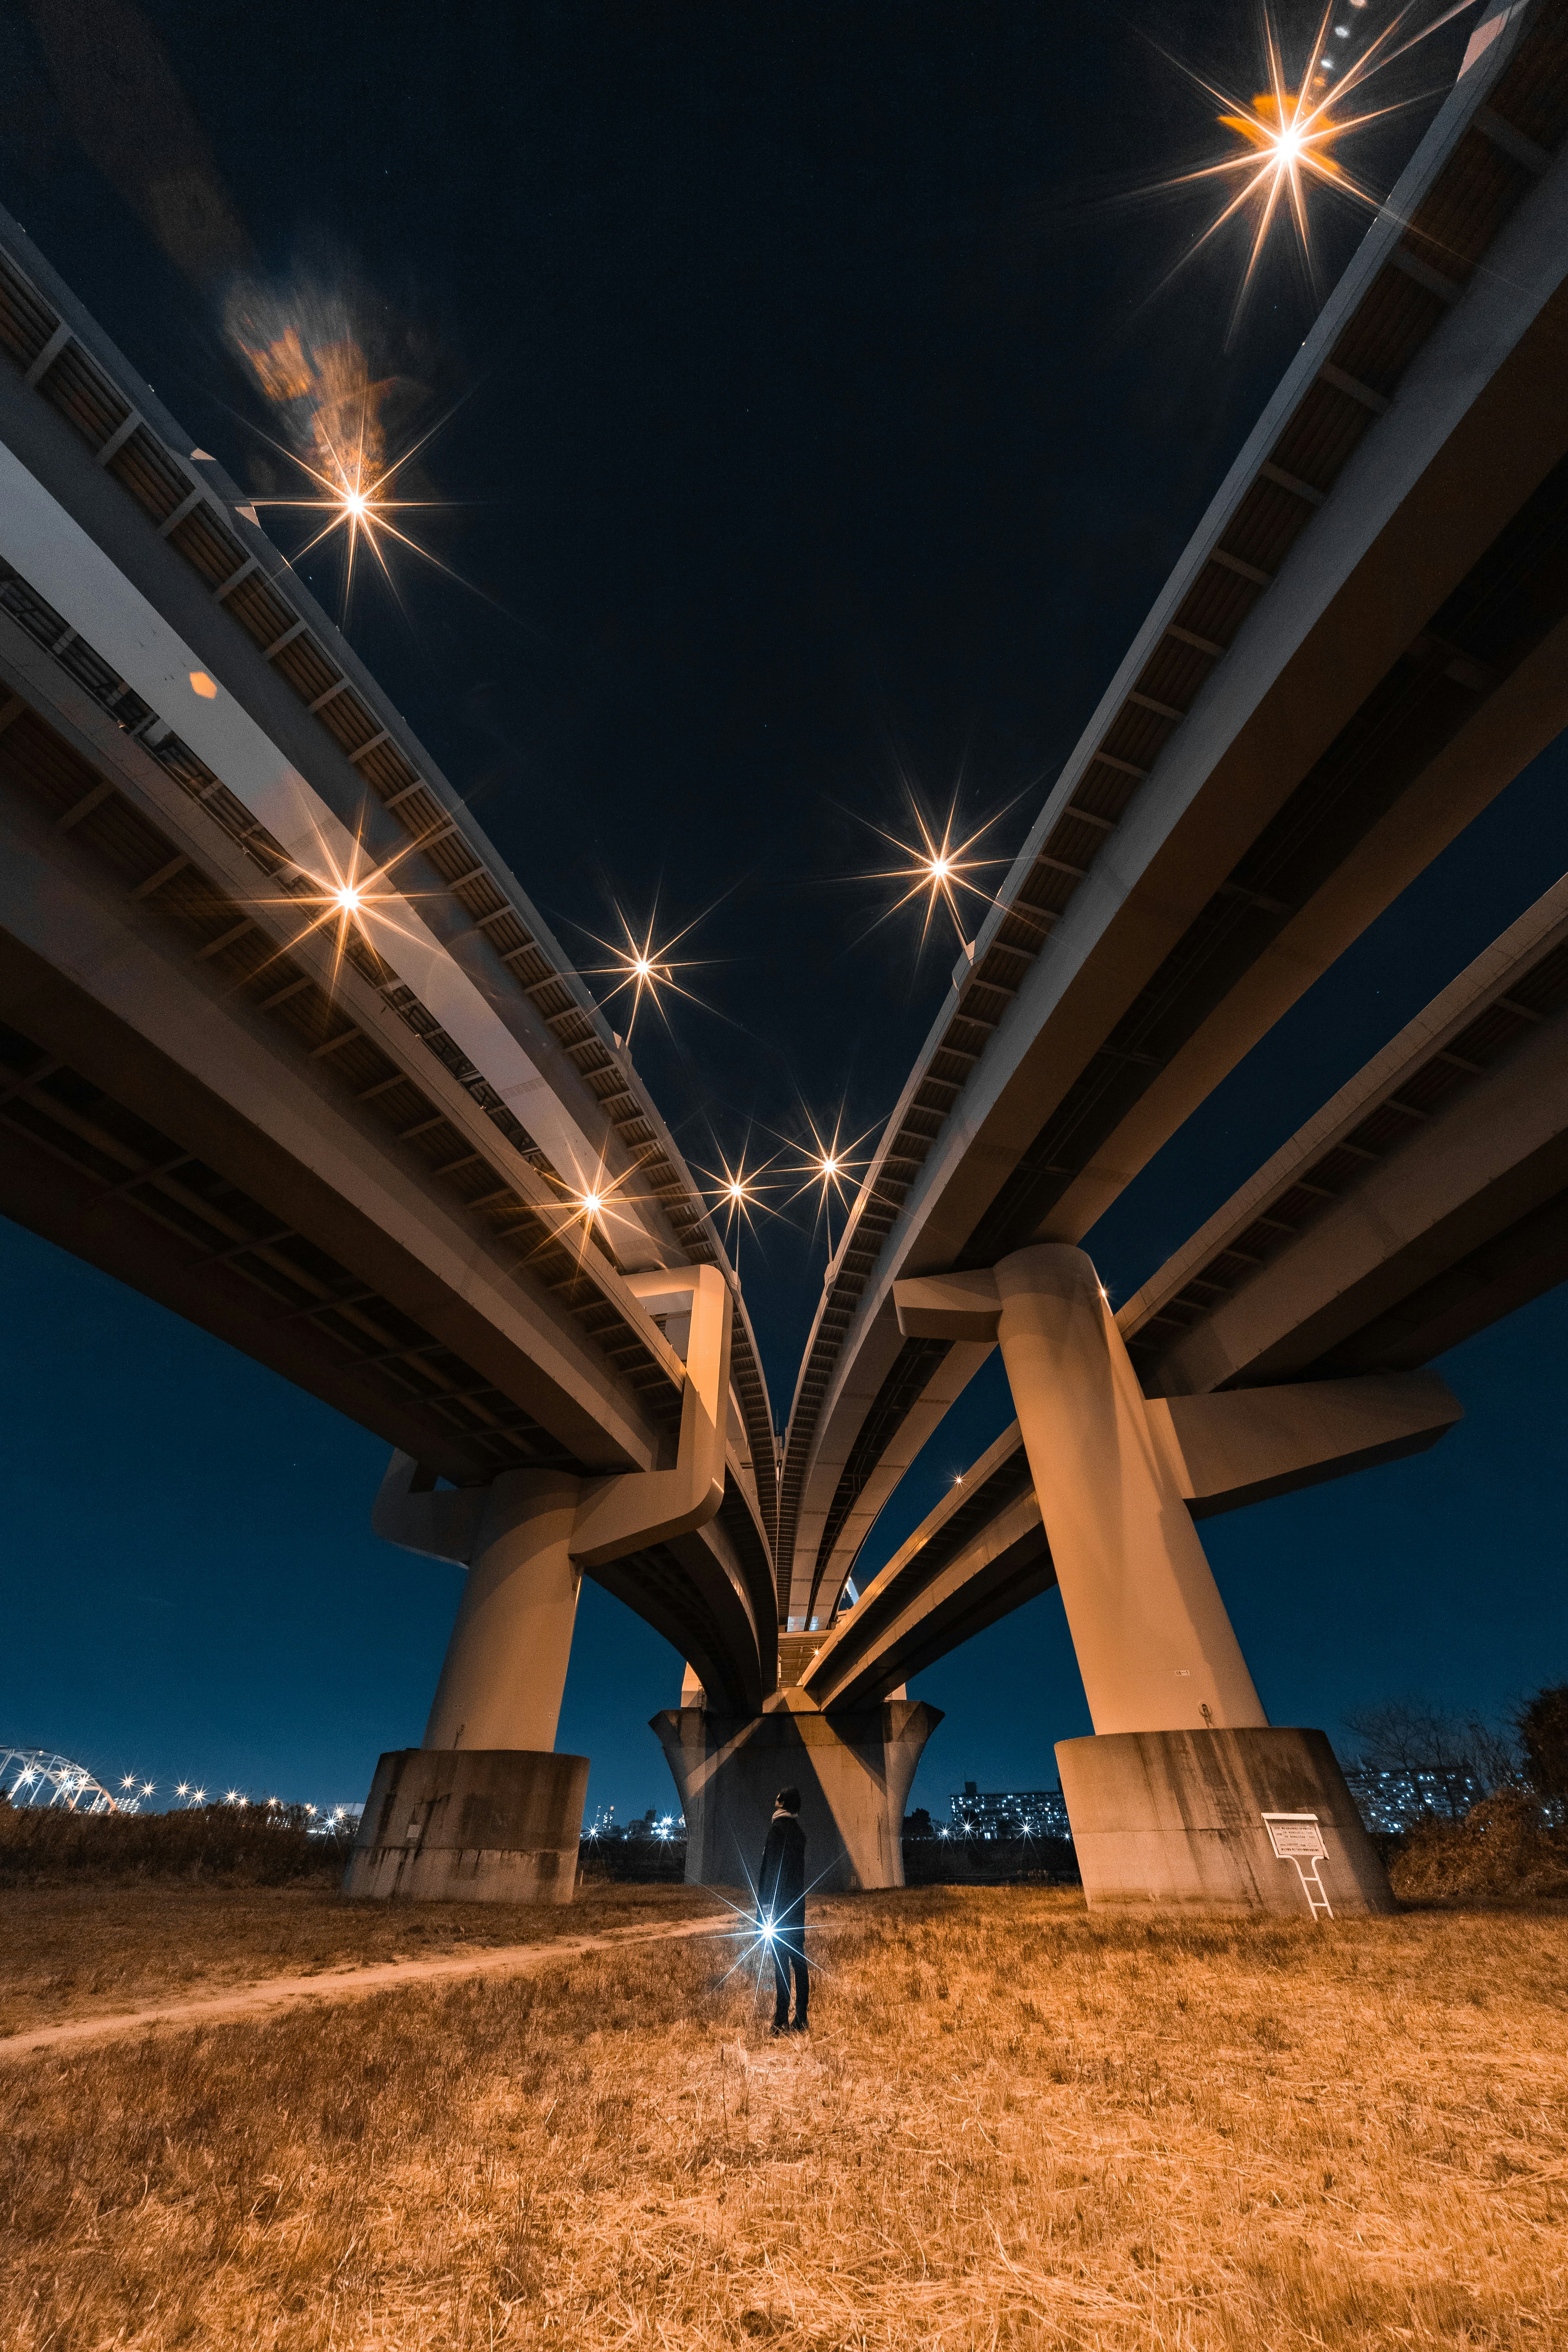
<point>471,1825</point>
<point>853,1772</point>
<point>1179,1820</point>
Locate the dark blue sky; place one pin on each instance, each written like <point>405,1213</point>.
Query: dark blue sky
<point>823,426</point>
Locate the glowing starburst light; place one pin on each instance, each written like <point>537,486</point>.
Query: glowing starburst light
<point>649,973</point>
<point>353,491</point>
<point>737,1193</point>
<point>597,1206</point>
<point>828,1168</point>
<point>355,897</point>
<point>757,1932</point>
<point>1287,134</point>
<point>936,869</point>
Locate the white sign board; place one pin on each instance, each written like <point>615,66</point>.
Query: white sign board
<point>1296,1836</point>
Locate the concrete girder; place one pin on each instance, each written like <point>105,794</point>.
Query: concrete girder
<point>413,822</point>
<point>97,982</point>
<point>1413,514</point>
<point>266,702</point>
<point>131,594</point>
<point>1519,719</point>
<point>906,1620</point>
<point>1450,1220</point>
<point>166,1273</point>
<point>1457,1217</point>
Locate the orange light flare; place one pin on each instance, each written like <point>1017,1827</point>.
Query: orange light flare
<point>830,1168</point>
<point>352,896</point>
<point>936,868</point>
<point>737,1194</point>
<point>595,1206</point>
<point>354,496</point>
<point>314,370</point>
<point>1287,134</point>
<point>649,973</point>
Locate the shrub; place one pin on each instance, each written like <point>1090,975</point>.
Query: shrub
<point>257,1845</point>
<point>1504,1847</point>
<point>1541,1724</point>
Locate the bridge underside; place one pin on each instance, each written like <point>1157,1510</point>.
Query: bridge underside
<point>1365,640</point>
<point>217,1120</point>
<point>1282,1344</point>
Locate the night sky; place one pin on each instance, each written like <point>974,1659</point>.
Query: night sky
<point>823,426</point>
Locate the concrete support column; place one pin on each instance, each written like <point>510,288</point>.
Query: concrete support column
<point>853,1771</point>
<point>505,1668</point>
<point>1153,1642</point>
<point>1221,1823</point>
<point>485,1811</point>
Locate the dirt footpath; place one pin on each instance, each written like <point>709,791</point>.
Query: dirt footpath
<point>344,1984</point>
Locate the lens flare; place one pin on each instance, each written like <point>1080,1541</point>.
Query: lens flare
<point>349,893</point>
<point>828,1168</point>
<point>1290,128</point>
<point>738,1195</point>
<point>598,1208</point>
<point>311,363</point>
<point>936,871</point>
<point>649,971</point>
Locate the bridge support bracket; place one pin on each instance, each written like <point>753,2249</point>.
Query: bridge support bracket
<point>853,1771</point>
<point>1216,1823</point>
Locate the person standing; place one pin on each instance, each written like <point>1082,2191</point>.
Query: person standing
<point>781,1905</point>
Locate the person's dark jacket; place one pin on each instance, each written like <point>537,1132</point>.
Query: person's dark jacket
<point>780,1882</point>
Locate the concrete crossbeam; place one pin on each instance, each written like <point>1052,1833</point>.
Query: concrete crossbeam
<point>1222,1453</point>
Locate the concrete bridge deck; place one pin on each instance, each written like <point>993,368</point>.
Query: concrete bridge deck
<point>1425,1201</point>
<point>357,1150</point>
<point>1366,639</point>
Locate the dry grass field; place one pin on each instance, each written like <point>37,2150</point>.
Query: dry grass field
<point>78,1950</point>
<point>1014,2124</point>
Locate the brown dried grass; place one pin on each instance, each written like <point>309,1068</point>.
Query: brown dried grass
<point>1016,2125</point>
<point>78,1951</point>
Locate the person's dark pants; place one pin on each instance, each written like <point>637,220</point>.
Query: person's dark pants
<point>789,1952</point>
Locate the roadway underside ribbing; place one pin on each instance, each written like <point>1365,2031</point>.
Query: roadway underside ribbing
<point>1510,610</point>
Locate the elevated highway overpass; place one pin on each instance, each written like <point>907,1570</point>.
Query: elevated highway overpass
<point>1282,1345</point>
<point>360,1141</point>
<point>1365,640</point>
<point>285,1044</point>
<point>1286,1342</point>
